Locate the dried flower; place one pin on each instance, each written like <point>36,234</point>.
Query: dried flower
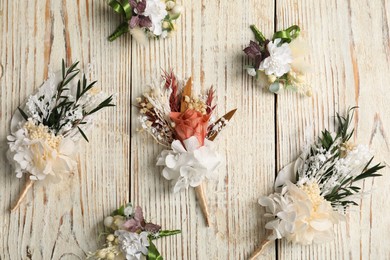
<point>46,129</point>
<point>254,52</point>
<point>302,215</point>
<point>35,151</point>
<point>189,164</point>
<point>156,11</point>
<point>312,192</point>
<point>132,239</point>
<point>279,59</point>
<point>183,123</point>
<point>133,245</point>
<point>150,17</point>
<point>190,123</point>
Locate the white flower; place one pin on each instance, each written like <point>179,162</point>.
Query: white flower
<point>278,63</point>
<point>190,164</point>
<point>129,210</point>
<point>251,72</point>
<point>133,245</point>
<point>156,11</point>
<point>354,161</point>
<point>34,150</point>
<point>302,215</point>
<point>164,34</point>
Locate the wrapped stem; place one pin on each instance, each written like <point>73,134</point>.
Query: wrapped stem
<point>121,29</point>
<point>263,245</point>
<point>29,183</point>
<point>199,191</point>
<point>258,35</point>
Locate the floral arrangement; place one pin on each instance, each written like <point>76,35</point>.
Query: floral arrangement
<point>313,192</point>
<point>185,125</point>
<point>279,61</point>
<point>146,18</point>
<point>45,130</point>
<point>130,237</point>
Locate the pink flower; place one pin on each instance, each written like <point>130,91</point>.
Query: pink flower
<point>190,123</point>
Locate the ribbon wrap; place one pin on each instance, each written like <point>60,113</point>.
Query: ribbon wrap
<point>288,34</point>
<point>258,35</point>
<point>153,253</point>
<point>121,29</point>
<point>121,7</point>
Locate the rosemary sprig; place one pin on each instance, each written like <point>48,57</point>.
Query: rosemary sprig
<point>345,186</point>
<point>346,189</point>
<point>64,103</point>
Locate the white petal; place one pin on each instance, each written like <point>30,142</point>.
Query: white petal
<point>181,184</point>
<point>321,224</point>
<point>191,144</point>
<point>267,202</point>
<point>170,161</point>
<point>178,147</point>
<point>286,174</point>
<point>170,174</point>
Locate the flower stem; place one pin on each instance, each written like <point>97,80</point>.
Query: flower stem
<point>121,29</point>
<point>199,191</point>
<point>22,195</point>
<point>263,245</point>
<point>258,35</point>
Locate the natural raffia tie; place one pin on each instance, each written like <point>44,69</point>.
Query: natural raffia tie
<point>29,183</point>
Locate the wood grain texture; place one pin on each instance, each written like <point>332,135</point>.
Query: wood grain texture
<point>349,51</point>
<point>208,46</point>
<point>63,221</point>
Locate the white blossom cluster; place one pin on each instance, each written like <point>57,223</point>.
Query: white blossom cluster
<point>300,214</point>
<point>44,151</point>
<point>188,165</point>
<point>33,149</point>
<point>338,168</point>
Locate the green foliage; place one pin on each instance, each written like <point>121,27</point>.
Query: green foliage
<point>258,34</point>
<point>120,211</point>
<point>346,187</point>
<point>57,117</point>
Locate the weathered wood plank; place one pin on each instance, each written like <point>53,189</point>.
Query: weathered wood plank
<point>208,46</point>
<point>349,51</point>
<point>63,221</point>
<point>348,43</point>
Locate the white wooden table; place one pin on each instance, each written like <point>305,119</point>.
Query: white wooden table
<point>349,53</point>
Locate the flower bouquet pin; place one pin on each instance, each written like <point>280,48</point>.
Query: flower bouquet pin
<point>46,129</point>
<point>146,18</point>
<point>313,193</point>
<point>130,237</point>
<point>279,61</point>
<point>183,123</point>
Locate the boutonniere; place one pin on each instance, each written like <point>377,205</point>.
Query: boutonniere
<point>130,237</point>
<point>279,61</point>
<point>186,126</point>
<point>45,129</point>
<point>146,18</point>
<point>313,193</point>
